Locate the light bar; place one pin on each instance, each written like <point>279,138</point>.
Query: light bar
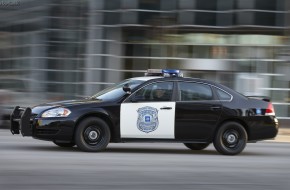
<point>164,72</point>
<point>154,72</point>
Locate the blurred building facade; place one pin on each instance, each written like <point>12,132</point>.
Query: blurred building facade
<point>73,48</point>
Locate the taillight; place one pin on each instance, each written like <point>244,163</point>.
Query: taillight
<point>270,109</point>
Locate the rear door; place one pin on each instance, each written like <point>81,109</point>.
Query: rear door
<point>149,113</point>
<point>197,111</point>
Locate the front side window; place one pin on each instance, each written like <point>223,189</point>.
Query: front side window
<point>190,91</point>
<point>161,91</point>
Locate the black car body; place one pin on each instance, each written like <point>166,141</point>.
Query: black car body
<point>193,111</point>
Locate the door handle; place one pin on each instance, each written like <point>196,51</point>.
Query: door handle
<point>166,108</point>
<point>215,108</point>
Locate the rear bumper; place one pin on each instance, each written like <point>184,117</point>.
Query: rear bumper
<point>266,128</point>
<point>61,129</point>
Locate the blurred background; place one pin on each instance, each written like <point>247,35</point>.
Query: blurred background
<point>64,49</point>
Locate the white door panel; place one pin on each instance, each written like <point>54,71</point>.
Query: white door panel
<point>148,120</point>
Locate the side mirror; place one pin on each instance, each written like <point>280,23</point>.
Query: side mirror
<point>127,89</point>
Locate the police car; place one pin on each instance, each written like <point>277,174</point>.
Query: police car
<point>162,106</point>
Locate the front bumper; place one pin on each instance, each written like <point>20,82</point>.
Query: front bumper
<point>22,120</point>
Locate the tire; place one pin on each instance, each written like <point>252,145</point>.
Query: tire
<point>230,139</point>
<point>196,146</point>
<point>65,145</point>
<point>92,135</point>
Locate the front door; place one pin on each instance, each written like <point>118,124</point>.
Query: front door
<point>149,113</point>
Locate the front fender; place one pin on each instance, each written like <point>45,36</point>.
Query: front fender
<point>103,114</point>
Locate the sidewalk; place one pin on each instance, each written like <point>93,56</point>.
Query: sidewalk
<point>283,135</point>
<point>284,131</point>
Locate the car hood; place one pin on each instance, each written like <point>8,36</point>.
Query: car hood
<point>42,107</point>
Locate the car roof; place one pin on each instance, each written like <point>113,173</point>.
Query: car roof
<point>161,78</point>
<point>146,78</point>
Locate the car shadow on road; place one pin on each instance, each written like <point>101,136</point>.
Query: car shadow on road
<point>158,151</point>
<point>176,151</point>
<point>131,150</point>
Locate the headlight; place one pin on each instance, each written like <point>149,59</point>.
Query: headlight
<point>56,112</point>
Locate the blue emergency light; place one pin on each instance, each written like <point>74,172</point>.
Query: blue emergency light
<point>164,72</point>
<point>172,73</point>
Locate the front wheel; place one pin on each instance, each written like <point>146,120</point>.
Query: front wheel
<point>92,135</point>
<point>196,146</point>
<point>230,139</point>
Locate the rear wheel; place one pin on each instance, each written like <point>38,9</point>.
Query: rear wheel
<point>230,139</point>
<point>196,146</point>
<point>70,144</point>
<point>92,135</point>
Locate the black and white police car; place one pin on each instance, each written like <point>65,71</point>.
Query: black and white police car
<point>160,107</point>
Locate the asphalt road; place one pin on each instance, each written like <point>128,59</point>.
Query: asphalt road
<point>31,164</point>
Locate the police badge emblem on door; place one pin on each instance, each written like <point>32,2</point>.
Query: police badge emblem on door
<point>147,119</point>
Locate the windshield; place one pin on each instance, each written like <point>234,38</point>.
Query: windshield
<point>116,91</point>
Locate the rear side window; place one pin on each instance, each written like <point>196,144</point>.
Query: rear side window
<point>190,91</point>
<point>223,95</point>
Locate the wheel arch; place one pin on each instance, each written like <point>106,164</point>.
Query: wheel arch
<point>237,120</point>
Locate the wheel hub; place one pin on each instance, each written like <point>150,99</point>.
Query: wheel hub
<point>231,138</point>
<point>93,135</point>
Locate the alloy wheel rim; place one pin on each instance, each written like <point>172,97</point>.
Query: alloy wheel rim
<point>231,138</point>
<point>93,135</point>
